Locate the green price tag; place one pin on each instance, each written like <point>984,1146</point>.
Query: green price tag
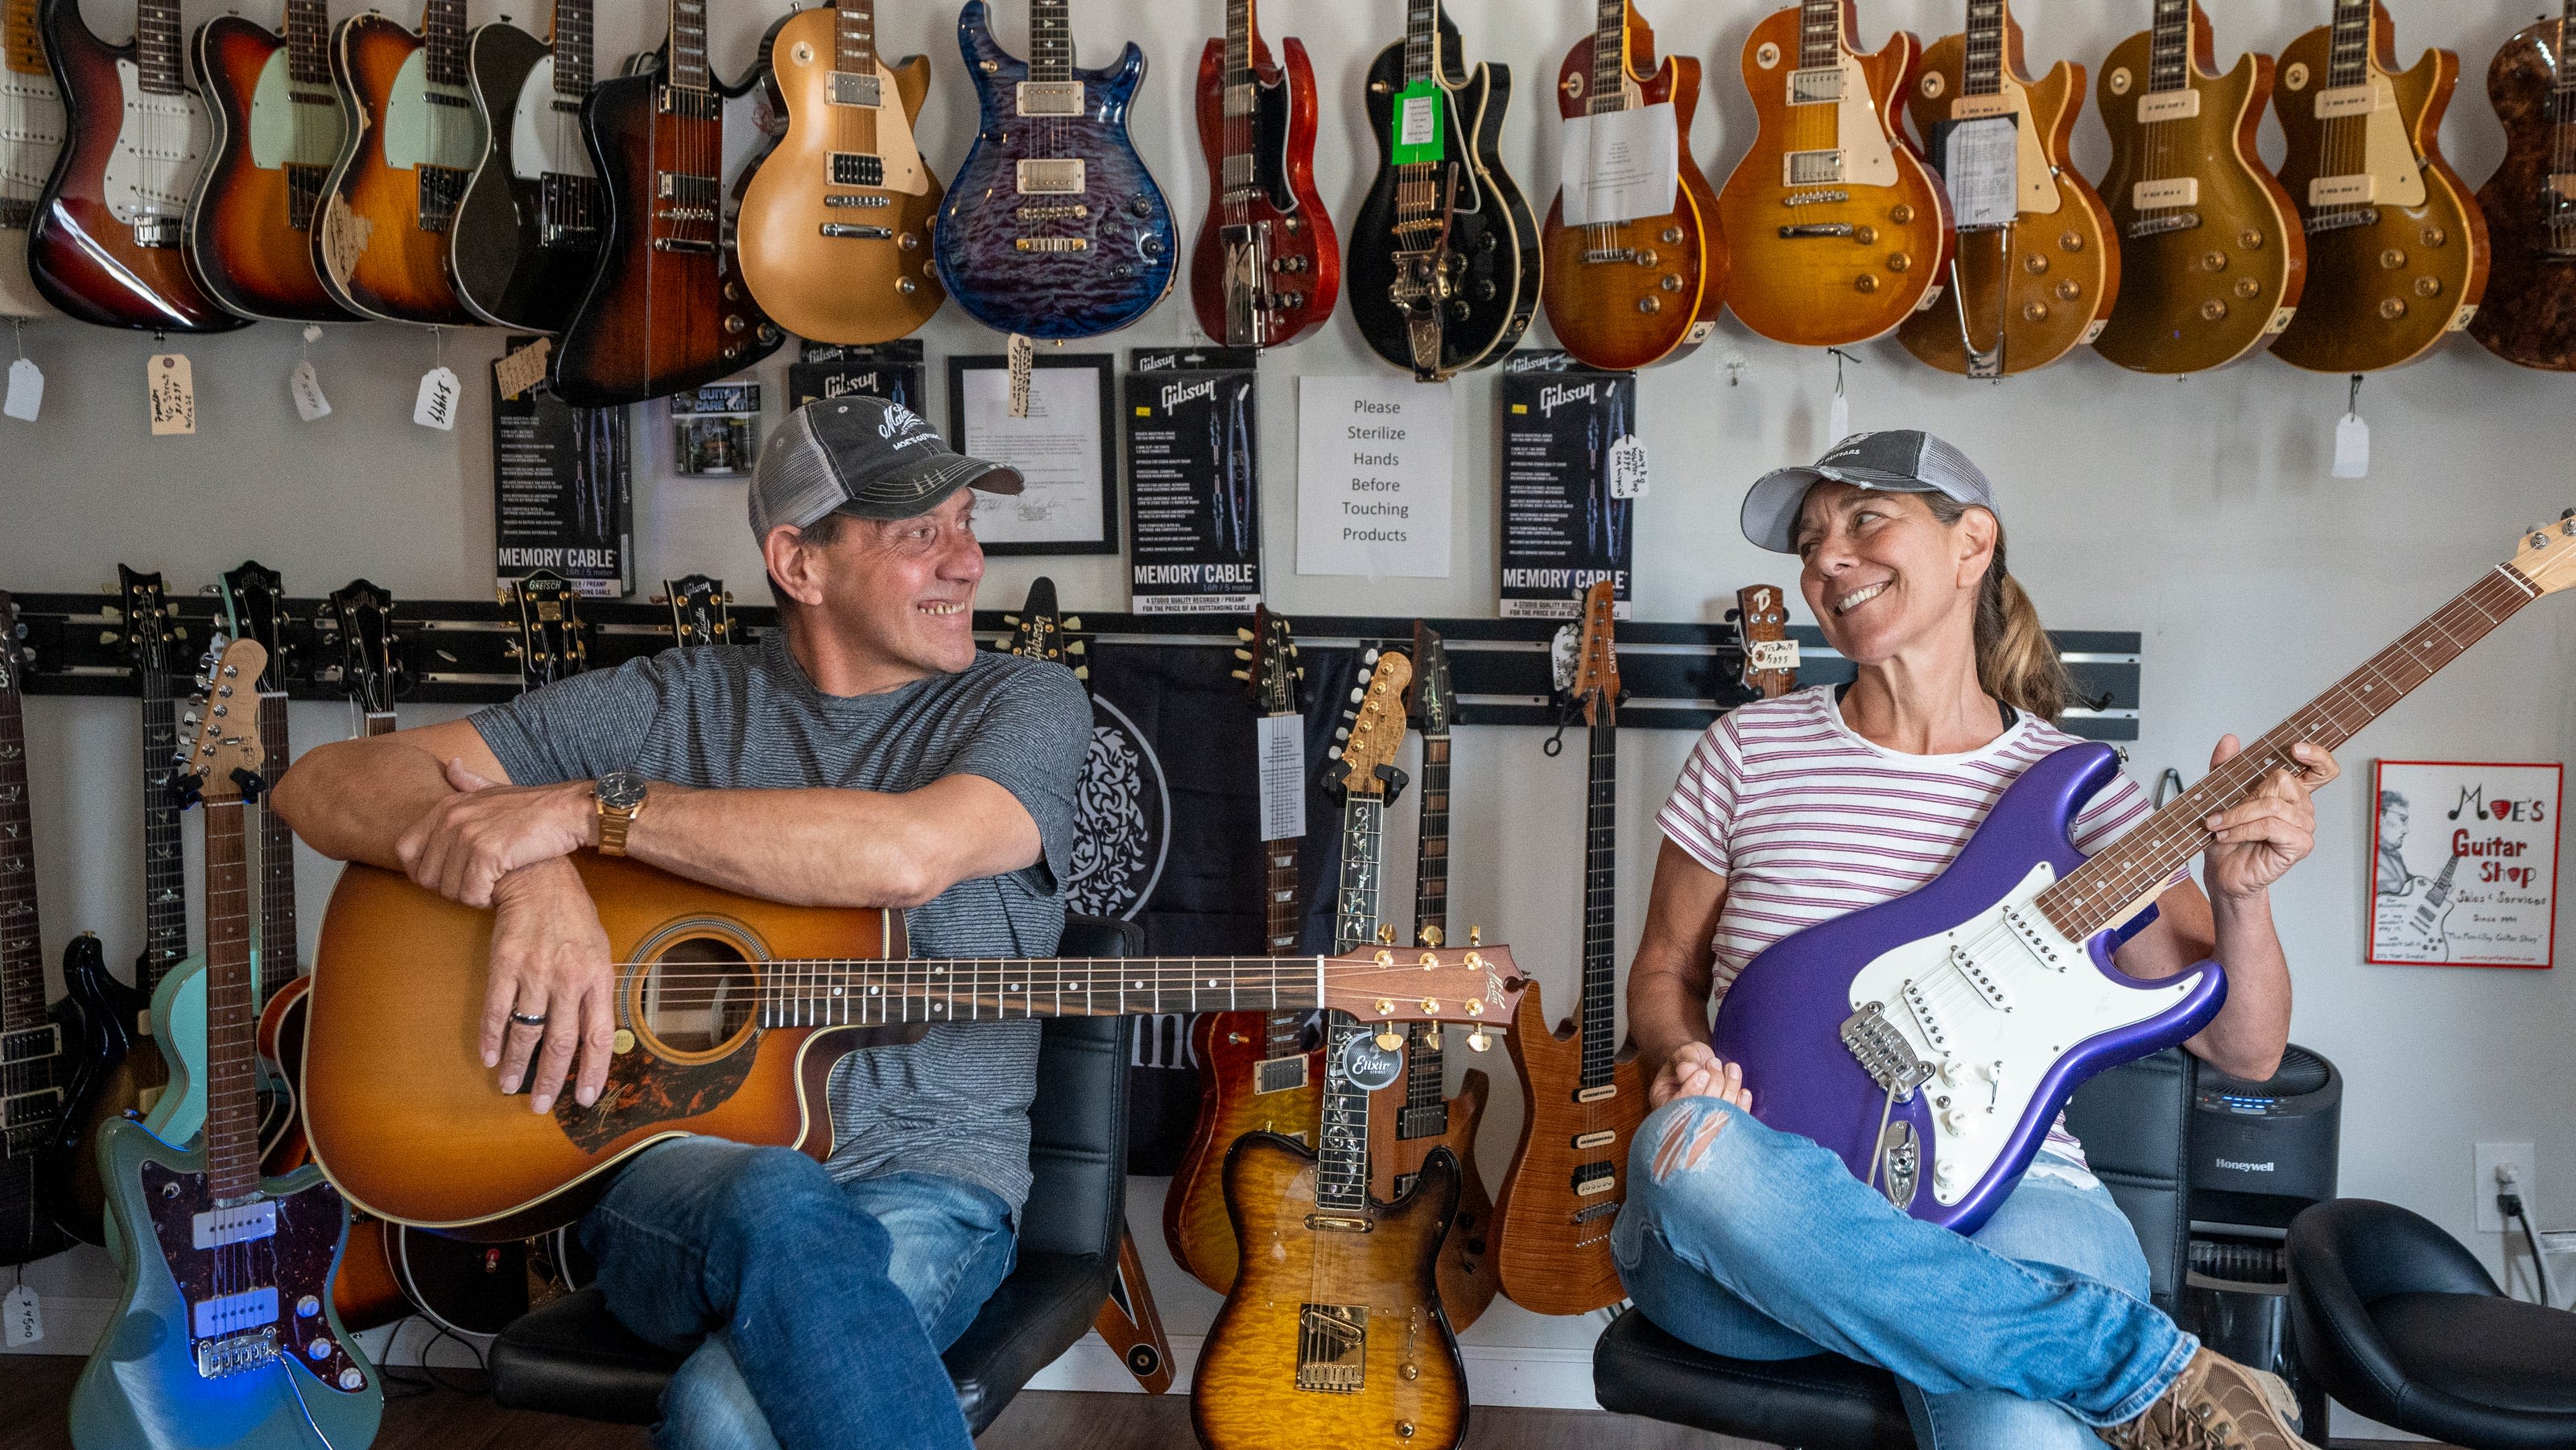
<point>1419,111</point>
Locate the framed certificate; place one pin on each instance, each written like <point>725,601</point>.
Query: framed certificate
<point>1065,448</point>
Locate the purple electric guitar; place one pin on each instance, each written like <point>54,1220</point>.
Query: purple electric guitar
<point>1930,1041</point>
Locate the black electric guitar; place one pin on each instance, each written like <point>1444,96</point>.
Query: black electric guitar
<point>32,1056</point>
<point>526,235</point>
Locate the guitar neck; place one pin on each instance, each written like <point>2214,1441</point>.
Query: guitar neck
<point>1341,1159</point>
<point>1050,40</point>
<point>573,48</point>
<point>2103,891</point>
<point>2565,67</point>
<point>687,69</point>
<point>854,36</point>
<point>1426,1106</point>
<point>878,992</point>
<point>2169,49</point>
<point>1600,899</point>
<point>308,42</point>
<point>1820,33</point>
<point>22,48</point>
<point>1609,57</point>
<point>1355,904</point>
<point>1239,31</point>
<point>156,47</point>
<point>165,871</point>
<point>23,1068</point>
<point>1421,40</point>
<point>2348,51</point>
<point>232,1008</point>
<point>1981,66</point>
<point>1279,896</point>
<point>442,38</point>
<point>277,926</point>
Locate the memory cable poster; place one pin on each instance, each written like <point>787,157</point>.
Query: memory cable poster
<point>1572,466</point>
<point>562,494</point>
<point>2464,864</point>
<point>1194,497</point>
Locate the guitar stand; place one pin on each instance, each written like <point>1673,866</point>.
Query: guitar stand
<point>1131,1324</point>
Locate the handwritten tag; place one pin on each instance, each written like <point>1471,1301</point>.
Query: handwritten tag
<point>2352,447</point>
<point>171,389</point>
<point>1838,417</point>
<point>522,369</point>
<point>1281,740</point>
<point>436,406</point>
<point>306,387</point>
<point>1775,654</point>
<point>1024,356</point>
<point>26,390</point>
<point>22,1319</point>
<point>1628,467</point>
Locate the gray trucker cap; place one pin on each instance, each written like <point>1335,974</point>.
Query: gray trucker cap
<point>1902,460</point>
<point>865,457</point>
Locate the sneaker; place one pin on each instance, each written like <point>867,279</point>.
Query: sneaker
<point>2216,1404</point>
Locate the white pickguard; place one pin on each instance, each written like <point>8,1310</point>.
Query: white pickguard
<point>2038,183</point>
<point>1994,1043</point>
<point>1868,159</point>
<point>159,148</point>
<point>543,139</point>
<point>31,135</point>
<point>2388,158</point>
<point>422,132</point>
<point>285,131</point>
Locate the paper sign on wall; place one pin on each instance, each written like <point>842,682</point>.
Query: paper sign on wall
<point>1373,486</point>
<point>2464,864</point>
<point>1620,165</point>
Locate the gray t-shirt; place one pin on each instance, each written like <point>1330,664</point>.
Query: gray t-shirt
<point>745,716</point>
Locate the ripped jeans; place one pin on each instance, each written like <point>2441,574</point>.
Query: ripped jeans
<point>1758,1244</point>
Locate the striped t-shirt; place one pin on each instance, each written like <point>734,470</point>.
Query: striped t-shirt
<point>1808,821</point>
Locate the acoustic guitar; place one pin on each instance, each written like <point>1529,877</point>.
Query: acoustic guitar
<point>277,130</point>
<point>1629,293</point>
<point>666,308</point>
<point>526,235</point>
<point>1333,1333</point>
<point>2212,255</point>
<point>1836,229</point>
<point>224,1335</point>
<point>835,226</point>
<point>1444,258</point>
<point>2397,249</point>
<point>34,1059</point>
<point>1053,227</point>
<point>2037,278</point>
<point>107,244</point>
<point>1256,1073</point>
<point>2529,315</point>
<point>32,130</point>
<point>1267,267</point>
<point>1584,1091</point>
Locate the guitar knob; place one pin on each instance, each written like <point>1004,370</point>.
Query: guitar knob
<point>732,292</point>
<point>1459,310</point>
<point>2392,308</point>
<point>1646,257</point>
<point>2246,287</point>
<point>2393,258</point>
<point>307,1307</point>
<point>320,1348</point>
<point>906,286</point>
<point>2213,309</point>
<point>1650,305</point>
<point>1151,246</point>
<point>2035,312</point>
<point>1865,283</point>
<point>2435,236</point>
<point>1484,291</point>
<point>1672,236</point>
<point>1865,235</point>
<point>2428,286</point>
<point>908,242</point>
<point>1139,207</point>
<point>1901,213</point>
<point>2037,265</point>
<point>734,324</point>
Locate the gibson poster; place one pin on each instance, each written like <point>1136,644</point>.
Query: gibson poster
<point>1194,499</point>
<point>562,492</point>
<point>1572,466</point>
<point>2464,864</point>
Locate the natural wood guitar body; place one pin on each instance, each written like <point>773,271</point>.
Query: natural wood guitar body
<point>1825,291</point>
<point>1195,1225</point>
<point>368,243</point>
<point>1466,1274</point>
<point>846,290</point>
<point>2036,288</point>
<point>2177,311</point>
<point>1552,1255</point>
<point>2387,292</point>
<point>1411,1391</point>
<point>2529,315</point>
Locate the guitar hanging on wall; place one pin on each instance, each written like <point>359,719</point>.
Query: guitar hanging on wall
<point>31,136</point>
<point>1267,267</point>
<point>34,1060</point>
<point>412,139</point>
<point>277,131</point>
<point>1761,618</point>
<point>526,235</point>
<point>2529,315</point>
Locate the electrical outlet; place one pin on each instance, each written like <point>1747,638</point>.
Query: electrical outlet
<point>2484,1185</point>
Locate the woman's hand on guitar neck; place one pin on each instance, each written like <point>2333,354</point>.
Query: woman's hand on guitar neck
<point>2254,841</point>
<point>1697,1072</point>
<point>549,961</point>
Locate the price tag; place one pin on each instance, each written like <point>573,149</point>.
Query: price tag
<point>2352,447</point>
<point>170,388</point>
<point>522,369</point>
<point>1628,467</point>
<point>1838,417</point>
<point>1564,652</point>
<point>1023,356</point>
<point>1983,171</point>
<point>1775,654</point>
<point>22,1319</point>
<point>1418,123</point>
<point>306,387</point>
<point>26,390</point>
<point>436,406</point>
<point>1282,743</point>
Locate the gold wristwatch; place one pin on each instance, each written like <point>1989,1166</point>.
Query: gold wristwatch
<point>619,798</point>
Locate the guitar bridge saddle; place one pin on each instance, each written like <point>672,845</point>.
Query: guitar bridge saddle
<point>855,230</point>
<point>1051,244</point>
<point>2156,226</point>
<point>1815,198</point>
<point>157,231</point>
<point>1815,229</point>
<point>1883,1052</point>
<point>852,199</point>
<point>1332,1348</point>
<point>217,1358</point>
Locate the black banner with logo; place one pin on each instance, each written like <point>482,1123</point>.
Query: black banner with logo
<point>562,490</point>
<point>1193,472</point>
<point>1572,466</point>
<point>888,370</point>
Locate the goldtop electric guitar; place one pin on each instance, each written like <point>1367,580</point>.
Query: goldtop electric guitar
<point>1267,267</point>
<point>277,130</point>
<point>411,141</point>
<point>1333,1332</point>
<point>1444,257</point>
<point>225,1334</point>
<point>2036,277</point>
<point>1627,292</point>
<point>527,231</point>
<point>835,226</point>
<point>2212,256</point>
<point>1586,1096</point>
<point>2397,248</point>
<point>108,242</point>
<point>1836,228</point>
<point>32,131</point>
<point>666,309</point>
<point>1256,1070</point>
<point>33,1057</point>
<point>2529,315</point>
<point>1762,633</point>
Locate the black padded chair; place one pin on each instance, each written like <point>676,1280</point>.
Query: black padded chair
<point>2131,1120</point>
<point>572,1356</point>
<point>2402,1324</point>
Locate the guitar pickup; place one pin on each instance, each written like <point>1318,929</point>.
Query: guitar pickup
<point>1052,176</point>
<point>1592,1178</point>
<point>217,1227</point>
<point>2358,100</point>
<point>1237,174</point>
<point>857,168</point>
<point>1051,98</point>
<point>683,186</point>
<point>2169,191</point>
<point>232,1313</point>
<point>1238,99</point>
<point>2360,190</point>
<point>1279,1074</point>
<point>845,198</point>
<point>34,1109</point>
<point>850,88</point>
<point>1820,85</point>
<point>30,1043</point>
<point>1816,229</point>
<point>2335,221</point>
<point>1052,244</point>
<point>158,231</point>
<point>1811,168</point>
<point>857,231</point>
<point>1602,1139</point>
<point>2179,105</point>
<point>1599,1094</point>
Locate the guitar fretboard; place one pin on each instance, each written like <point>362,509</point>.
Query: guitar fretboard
<point>232,1009</point>
<point>442,38</point>
<point>1342,1160</point>
<point>277,925</point>
<point>1609,57</point>
<point>879,992</point>
<point>22,47</point>
<point>1426,1106</point>
<point>2348,50</point>
<point>1981,65</point>
<point>1050,40</point>
<point>308,42</point>
<point>165,871</point>
<point>2564,65</point>
<point>28,1054</point>
<point>573,49</point>
<point>157,60</point>
<point>2101,892</point>
<point>688,66</point>
<point>1600,898</point>
<point>1421,39</point>
<point>1355,905</point>
<point>1820,33</point>
<point>2169,49</point>
<point>854,37</point>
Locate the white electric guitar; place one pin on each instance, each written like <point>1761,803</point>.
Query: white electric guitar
<point>31,133</point>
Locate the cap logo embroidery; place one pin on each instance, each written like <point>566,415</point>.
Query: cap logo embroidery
<point>898,418</point>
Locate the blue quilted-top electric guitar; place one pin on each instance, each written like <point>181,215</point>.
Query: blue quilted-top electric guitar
<point>1053,228</point>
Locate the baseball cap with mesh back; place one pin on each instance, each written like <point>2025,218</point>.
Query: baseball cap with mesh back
<point>1901,460</point>
<point>865,457</point>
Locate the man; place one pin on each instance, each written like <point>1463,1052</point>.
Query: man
<point>867,754</point>
<point>2390,871</point>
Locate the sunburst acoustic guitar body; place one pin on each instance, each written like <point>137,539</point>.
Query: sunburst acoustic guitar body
<point>1552,1224</point>
<point>2529,314</point>
<point>1238,1065</point>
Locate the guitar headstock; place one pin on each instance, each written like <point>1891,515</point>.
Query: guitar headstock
<point>1762,628</point>
<point>1431,699</point>
<point>223,754</point>
<point>371,668</point>
<point>701,610</point>
<point>1270,670</point>
<point>2547,555</point>
<point>1038,632</point>
<point>1375,728</point>
<point>255,608</point>
<point>1596,658</point>
<point>149,631</point>
<point>552,642</point>
<point>12,653</point>
<point>1474,986</point>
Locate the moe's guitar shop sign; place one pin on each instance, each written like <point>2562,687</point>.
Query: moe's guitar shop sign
<point>2464,864</point>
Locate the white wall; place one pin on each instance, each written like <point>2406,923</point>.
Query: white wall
<point>2197,511</point>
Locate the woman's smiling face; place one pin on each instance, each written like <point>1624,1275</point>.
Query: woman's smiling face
<point>1880,572</point>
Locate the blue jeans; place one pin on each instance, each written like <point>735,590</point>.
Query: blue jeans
<point>814,1312</point>
<point>1757,1244</point>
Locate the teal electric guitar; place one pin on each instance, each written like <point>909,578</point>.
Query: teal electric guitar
<point>225,1334</point>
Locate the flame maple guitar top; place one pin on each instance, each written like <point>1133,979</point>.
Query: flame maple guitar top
<point>1546,1260</point>
<point>1195,1226</point>
<point>1467,1283</point>
<point>1412,1388</point>
<point>2388,291</point>
<point>2058,270</point>
<point>2177,311</point>
<point>1819,290</point>
<point>2529,315</point>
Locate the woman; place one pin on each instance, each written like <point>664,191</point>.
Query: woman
<point>2034,1331</point>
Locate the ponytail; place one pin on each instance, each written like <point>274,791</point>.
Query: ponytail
<point>2016,662</point>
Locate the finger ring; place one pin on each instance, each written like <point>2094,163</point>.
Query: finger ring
<point>527,1020</point>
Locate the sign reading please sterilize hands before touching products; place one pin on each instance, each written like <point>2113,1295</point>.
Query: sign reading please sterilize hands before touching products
<point>1373,486</point>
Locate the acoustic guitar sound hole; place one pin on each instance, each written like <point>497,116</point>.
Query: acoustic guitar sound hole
<point>699,995</point>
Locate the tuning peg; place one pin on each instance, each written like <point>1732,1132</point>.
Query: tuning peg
<point>1082,672</point>
<point>1301,672</point>
<point>1243,675</point>
<point>1075,648</point>
<point>1431,936</point>
<point>1386,934</point>
<point>1243,654</point>
<point>658,598</point>
<point>109,636</point>
<point>1358,694</point>
<point>189,719</point>
<point>1388,1039</point>
<point>1477,1041</point>
<point>1369,656</point>
<point>1341,732</point>
<point>1072,621</point>
<point>1475,936</point>
<point>1011,619</point>
<point>1332,752</point>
